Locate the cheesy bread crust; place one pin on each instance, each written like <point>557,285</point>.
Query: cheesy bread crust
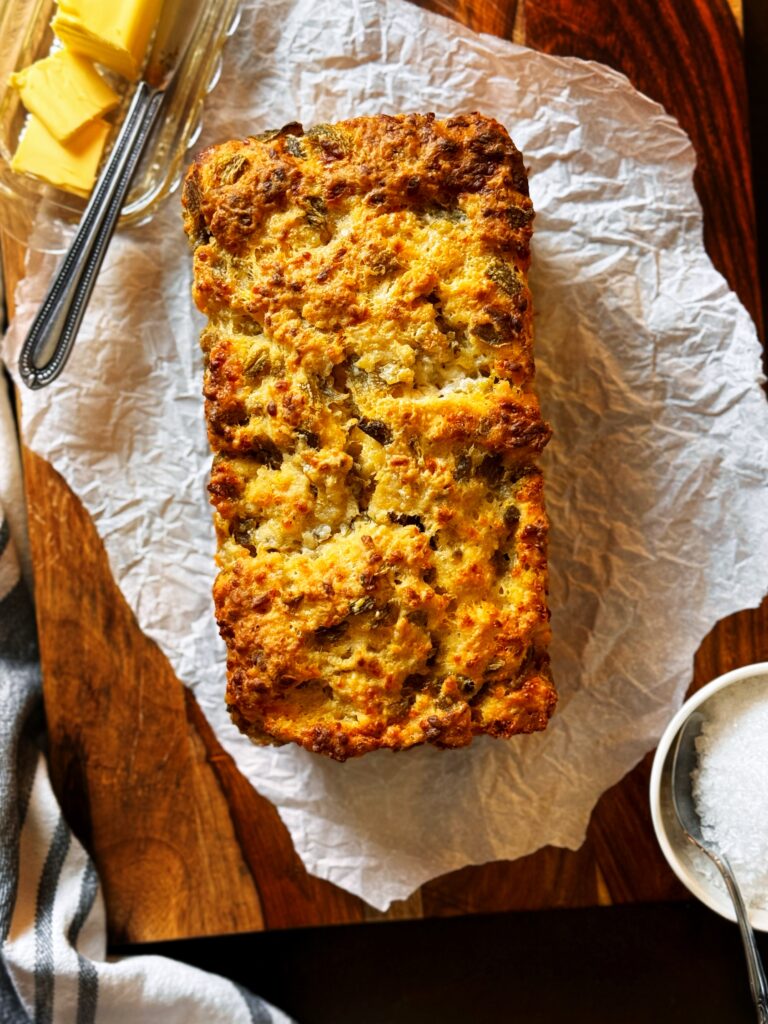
<point>368,386</point>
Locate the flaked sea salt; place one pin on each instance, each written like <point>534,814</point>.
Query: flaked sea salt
<point>730,785</point>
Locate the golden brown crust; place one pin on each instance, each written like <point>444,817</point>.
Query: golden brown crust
<point>368,385</point>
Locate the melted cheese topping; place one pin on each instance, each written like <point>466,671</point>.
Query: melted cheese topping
<point>368,385</point>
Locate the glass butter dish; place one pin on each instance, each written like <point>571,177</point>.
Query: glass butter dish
<point>25,37</point>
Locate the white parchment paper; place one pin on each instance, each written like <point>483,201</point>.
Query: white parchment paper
<point>648,368</point>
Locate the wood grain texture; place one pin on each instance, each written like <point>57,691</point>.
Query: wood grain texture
<point>496,17</point>
<point>133,779</point>
<point>289,895</point>
<point>183,842</point>
<point>688,57</point>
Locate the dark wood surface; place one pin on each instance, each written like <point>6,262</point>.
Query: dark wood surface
<point>183,843</point>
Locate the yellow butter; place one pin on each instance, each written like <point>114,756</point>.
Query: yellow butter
<point>112,32</point>
<point>64,91</point>
<point>71,166</point>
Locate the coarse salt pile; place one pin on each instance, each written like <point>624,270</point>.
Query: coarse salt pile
<point>730,785</point>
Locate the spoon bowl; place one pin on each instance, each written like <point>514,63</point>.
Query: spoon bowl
<point>684,761</point>
<point>688,861</point>
<point>683,764</point>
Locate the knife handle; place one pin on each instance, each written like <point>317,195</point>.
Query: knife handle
<point>50,339</point>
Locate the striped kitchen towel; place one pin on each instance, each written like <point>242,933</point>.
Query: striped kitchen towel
<point>52,921</point>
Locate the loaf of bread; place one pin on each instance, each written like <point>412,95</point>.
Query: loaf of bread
<point>368,386</point>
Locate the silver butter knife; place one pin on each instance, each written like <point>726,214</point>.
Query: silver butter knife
<point>47,346</point>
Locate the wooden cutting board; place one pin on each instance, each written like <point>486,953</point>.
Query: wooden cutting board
<point>183,844</point>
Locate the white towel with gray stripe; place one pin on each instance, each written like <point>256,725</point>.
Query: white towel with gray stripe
<point>53,967</point>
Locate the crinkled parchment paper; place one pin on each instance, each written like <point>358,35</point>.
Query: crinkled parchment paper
<point>648,368</point>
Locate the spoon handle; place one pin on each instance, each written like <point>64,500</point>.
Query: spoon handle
<point>757,981</point>
<point>53,331</point>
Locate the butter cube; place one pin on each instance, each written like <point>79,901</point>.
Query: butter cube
<point>112,32</point>
<point>64,91</point>
<point>72,166</point>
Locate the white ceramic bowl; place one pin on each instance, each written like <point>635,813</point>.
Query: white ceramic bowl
<point>681,854</point>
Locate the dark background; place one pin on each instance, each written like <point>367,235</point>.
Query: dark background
<point>668,963</point>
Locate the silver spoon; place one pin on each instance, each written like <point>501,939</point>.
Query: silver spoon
<point>683,763</point>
